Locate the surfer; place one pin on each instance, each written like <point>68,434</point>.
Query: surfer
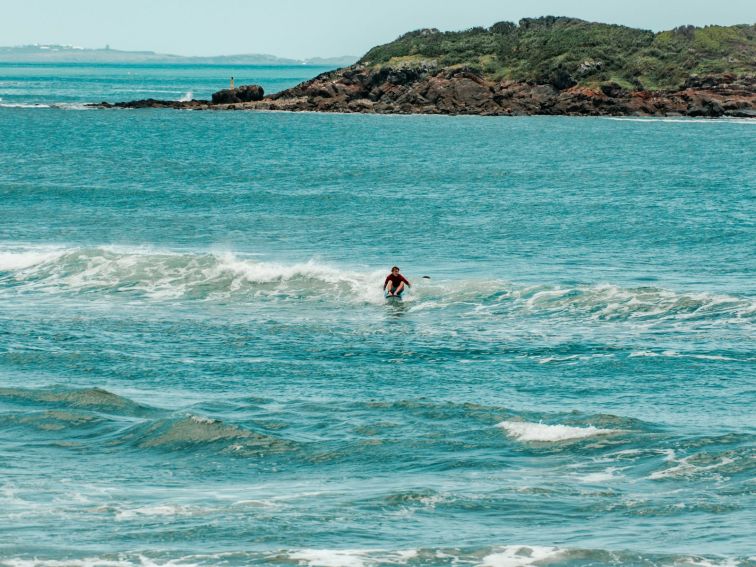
<point>395,283</point>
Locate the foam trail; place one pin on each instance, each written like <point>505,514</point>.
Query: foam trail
<point>685,120</point>
<point>23,105</point>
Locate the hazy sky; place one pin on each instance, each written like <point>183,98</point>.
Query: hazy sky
<point>299,28</point>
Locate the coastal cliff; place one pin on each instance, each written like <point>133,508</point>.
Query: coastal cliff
<point>552,66</point>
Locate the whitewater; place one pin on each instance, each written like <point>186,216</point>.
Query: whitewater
<point>198,366</point>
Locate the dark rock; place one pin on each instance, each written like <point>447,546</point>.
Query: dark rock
<point>225,96</point>
<point>246,93</point>
<point>705,107</point>
<point>424,88</point>
<point>696,82</point>
<point>154,103</point>
<point>250,93</point>
<point>612,90</point>
<point>562,79</point>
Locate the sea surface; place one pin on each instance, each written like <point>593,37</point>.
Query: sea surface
<point>198,367</point>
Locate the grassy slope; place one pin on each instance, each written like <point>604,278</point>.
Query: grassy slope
<point>551,49</point>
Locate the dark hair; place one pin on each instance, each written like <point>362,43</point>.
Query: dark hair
<point>394,268</point>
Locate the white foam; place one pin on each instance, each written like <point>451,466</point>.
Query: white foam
<point>154,511</point>
<point>704,562</point>
<point>541,432</point>
<point>686,468</point>
<point>717,357</point>
<point>549,359</point>
<point>10,261</point>
<point>203,419</point>
<point>136,561</point>
<point>675,354</point>
<point>23,105</point>
<point>573,358</point>
<point>213,275</point>
<point>611,302</point>
<point>73,106</point>
<point>168,274</point>
<point>362,285</point>
<point>600,476</point>
<point>256,503</point>
<point>188,96</point>
<point>682,120</point>
<point>546,295</point>
<point>644,353</point>
<point>519,556</point>
<point>331,557</point>
<point>351,557</point>
<point>86,562</point>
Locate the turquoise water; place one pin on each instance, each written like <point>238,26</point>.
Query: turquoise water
<point>70,85</point>
<point>197,366</point>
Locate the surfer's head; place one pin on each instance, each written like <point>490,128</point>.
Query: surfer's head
<point>395,270</point>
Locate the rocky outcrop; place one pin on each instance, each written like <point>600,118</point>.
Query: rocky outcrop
<point>247,93</point>
<point>427,89</point>
<point>156,103</point>
<point>244,94</point>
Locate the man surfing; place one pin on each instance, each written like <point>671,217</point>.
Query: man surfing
<point>395,283</point>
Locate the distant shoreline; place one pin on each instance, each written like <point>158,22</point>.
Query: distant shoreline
<point>61,54</point>
<point>156,64</point>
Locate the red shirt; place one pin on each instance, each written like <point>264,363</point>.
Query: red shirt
<point>395,279</point>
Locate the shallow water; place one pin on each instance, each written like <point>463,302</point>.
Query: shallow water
<point>197,366</point>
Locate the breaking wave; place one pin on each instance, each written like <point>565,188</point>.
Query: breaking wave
<point>516,555</point>
<point>173,275</point>
<point>208,276</point>
<point>541,432</point>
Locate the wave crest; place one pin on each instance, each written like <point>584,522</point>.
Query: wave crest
<point>541,432</point>
<point>168,275</point>
<point>174,275</point>
<point>197,432</point>
<point>93,399</point>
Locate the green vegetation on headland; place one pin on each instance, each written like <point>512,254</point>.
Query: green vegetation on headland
<point>568,51</point>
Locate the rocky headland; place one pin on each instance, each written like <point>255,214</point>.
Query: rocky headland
<point>549,66</point>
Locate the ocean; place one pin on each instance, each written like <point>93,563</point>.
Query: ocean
<point>198,367</point>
